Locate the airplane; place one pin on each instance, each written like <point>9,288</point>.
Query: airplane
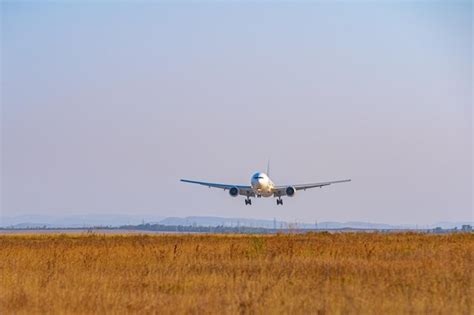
<point>262,186</point>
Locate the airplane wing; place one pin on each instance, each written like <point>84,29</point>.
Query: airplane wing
<point>243,190</point>
<point>281,190</point>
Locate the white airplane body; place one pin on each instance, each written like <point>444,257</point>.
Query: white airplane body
<point>262,186</point>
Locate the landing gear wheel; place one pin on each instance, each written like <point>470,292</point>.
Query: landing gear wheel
<point>248,201</point>
<point>280,201</point>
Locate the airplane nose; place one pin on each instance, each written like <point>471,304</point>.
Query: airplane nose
<point>257,183</point>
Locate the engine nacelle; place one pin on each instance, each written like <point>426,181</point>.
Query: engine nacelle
<point>234,191</point>
<point>290,191</point>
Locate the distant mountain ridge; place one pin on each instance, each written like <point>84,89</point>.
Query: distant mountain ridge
<point>218,221</point>
<point>75,221</point>
<point>78,221</point>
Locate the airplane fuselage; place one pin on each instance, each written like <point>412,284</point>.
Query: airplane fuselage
<point>262,185</point>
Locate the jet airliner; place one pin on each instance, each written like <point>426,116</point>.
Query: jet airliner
<point>262,186</point>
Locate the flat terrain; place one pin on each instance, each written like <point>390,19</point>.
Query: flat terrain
<point>313,273</point>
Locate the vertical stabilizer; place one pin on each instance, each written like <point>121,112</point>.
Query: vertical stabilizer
<point>268,168</point>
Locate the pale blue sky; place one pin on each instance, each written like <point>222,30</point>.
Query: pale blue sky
<point>106,106</point>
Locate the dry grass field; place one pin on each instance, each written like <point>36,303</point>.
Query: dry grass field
<point>318,273</point>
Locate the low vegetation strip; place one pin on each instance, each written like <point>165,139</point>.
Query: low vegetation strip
<point>285,273</point>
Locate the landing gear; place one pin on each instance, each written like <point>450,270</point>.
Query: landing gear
<point>279,201</point>
<point>248,201</point>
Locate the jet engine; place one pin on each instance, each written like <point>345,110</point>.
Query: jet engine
<point>290,191</point>
<point>234,191</point>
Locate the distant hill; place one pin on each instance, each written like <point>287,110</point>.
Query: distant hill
<point>218,221</point>
<point>74,221</point>
<point>78,221</point>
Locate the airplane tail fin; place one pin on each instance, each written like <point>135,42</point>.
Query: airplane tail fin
<point>268,168</point>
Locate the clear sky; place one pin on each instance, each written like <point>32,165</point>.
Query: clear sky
<point>106,106</point>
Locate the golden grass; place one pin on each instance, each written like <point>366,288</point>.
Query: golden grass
<point>313,273</point>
